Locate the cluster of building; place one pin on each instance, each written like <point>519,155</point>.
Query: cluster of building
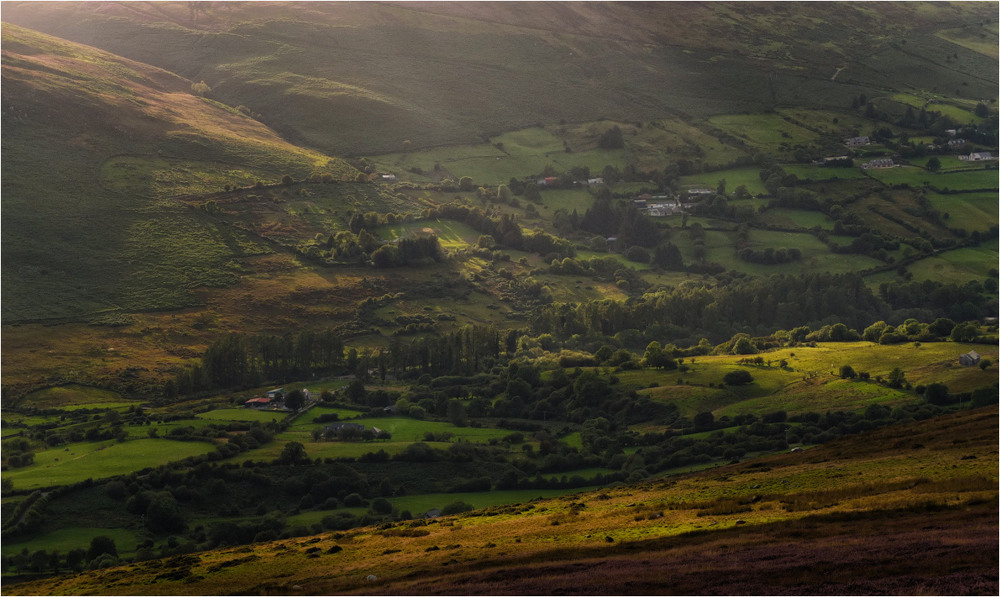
<point>664,205</point>
<point>879,163</point>
<point>977,156</point>
<point>274,400</point>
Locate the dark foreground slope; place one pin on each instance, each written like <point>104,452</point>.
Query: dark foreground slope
<point>908,509</point>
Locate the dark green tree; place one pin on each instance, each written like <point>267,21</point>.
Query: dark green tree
<point>99,545</point>
<point>737,378</point>
<point>293,453</point>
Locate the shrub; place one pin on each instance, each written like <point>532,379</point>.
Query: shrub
<point>456,507</point>
<point>738,378</point>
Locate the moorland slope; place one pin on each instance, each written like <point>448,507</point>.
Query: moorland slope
<point>906,509</point>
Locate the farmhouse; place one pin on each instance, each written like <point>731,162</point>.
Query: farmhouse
<point>857,141</point>
<point>276,394</point>
<point>388,178</point>
<point>969,359</point>
<point>665,209</point>
<point>593,181</point>
<point>879,163</point>
<point>699,191</point>
<point>956,142</point>
<point>258,403</point>
<point>977,156</point>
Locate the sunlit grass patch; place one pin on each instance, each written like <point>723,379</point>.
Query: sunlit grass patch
<point>971,211</point>
<point>243,414</point>
<point>97,460</point>
<point>72,395</point>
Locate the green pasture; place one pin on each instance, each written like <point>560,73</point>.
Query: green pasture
<point>782,216</point>
<point>98,460</point>
<point>971,180</point>
<point>948,163</point>
<point>308,419</point>
<point>451,234</point>
<point>811,172</point>
<point>578,198</point>
<point>407,429</point>
<point>766,131</point>
<point>517,154</point>
<point>811,382</point>
<point>971,211</point>
<point>74,396</point>
<point>816,256</point>
<point>933,103</point>
<point>404,431</point>
<point>69,538</point>
<point>826,122</point>
<point>668,138</point>
<point>573,440</point>
<point>959,265</point>
<point>749,177</point>
<point>243,414</point>
<point>326,449</point>
<point>616,256</point>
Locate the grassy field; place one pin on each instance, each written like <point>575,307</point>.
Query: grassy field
<point>768,132</point>
<point>451,234</point>
<point>971,211</point>
<point>797,218</point>
<point>811,172</point>
<point>816,256</point>
<point>70,538</point>
<point>972,180</point>
<point>958,266</point>
<point>99,460</point>
<point>748,177</point>
<point>811,382</point>
<point>73,396</point>
<point>243,414</point>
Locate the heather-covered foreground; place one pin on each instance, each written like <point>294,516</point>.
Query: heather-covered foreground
<point>908,509</point>
<point>881,553</point>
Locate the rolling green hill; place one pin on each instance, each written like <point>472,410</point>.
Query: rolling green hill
<point>94,148</point>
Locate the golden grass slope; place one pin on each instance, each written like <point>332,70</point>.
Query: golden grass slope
<point>913,504</point>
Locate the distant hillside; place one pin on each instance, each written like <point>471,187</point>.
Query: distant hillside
<point>85,233</point>
<point>352,78</point>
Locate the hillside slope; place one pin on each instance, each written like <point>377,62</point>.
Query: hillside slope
<point>364,77</point>
<point>906,509</point>
<point>93,146</point>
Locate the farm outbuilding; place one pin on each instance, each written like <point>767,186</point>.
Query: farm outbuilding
<point>969,359</point>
